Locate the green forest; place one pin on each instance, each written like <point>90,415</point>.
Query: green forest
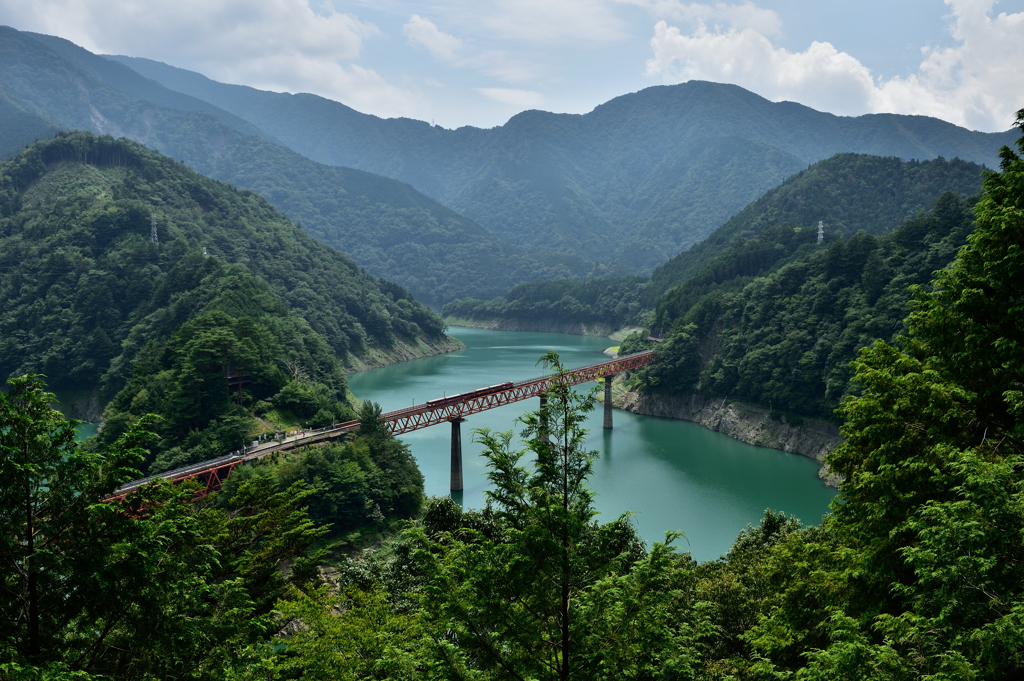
<point>89,299</point>
<point>776,321</point>
<point>915,573</point>
<point>612,302</point>
<point>635,181</point>
<point>197,315</point>
<point>390,229</point>
<point>849,193</point>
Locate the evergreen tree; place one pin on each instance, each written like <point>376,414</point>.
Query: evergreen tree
<point>920,572</point>
<point>552,594</point>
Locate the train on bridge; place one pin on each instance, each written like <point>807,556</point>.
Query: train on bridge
<point>452,409</point>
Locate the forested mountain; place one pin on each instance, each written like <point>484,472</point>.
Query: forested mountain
<point>637,180</point>
<point>776,320</point>
<point>560,306</point>
<point>848,193</point>
<point>389,228</point>
<point>87,298</point>
<point>20,127</point>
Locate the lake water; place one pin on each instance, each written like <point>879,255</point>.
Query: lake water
<point>86,430</point>
<point>672,475</point>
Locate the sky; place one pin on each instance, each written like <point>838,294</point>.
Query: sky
<point>478,62</point>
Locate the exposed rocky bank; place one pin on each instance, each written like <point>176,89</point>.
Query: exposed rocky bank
<point>753,425</point>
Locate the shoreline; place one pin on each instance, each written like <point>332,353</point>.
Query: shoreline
<point>571,328</point>
<point>746,423</point>
<point>376,358</point>
<point>85,404</point>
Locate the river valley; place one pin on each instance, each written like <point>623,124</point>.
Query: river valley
<point>673,475</point>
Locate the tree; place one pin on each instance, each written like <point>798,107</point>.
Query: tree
<point>676,365</point>
<point>46,487</point>
<point>150,586</point>
<point>921,574</point>
<point>551,594</point>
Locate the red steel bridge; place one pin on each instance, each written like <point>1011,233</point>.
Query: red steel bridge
<point>452,409</point>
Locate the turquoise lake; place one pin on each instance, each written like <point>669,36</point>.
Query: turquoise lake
<point>672,475</point>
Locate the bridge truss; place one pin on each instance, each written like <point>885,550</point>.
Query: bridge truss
<point>431,413</point>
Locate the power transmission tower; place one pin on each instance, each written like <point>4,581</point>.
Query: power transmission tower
<point>821,232</point>
<point>152,229</point>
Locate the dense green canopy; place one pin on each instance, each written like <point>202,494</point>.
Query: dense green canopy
<point>776,320</point>
<point>389,228</point>
<point>917,573</point>
<point>84,287</point>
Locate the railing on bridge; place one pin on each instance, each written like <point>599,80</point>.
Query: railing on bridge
<point>438,411</point>
<point>453,409</point>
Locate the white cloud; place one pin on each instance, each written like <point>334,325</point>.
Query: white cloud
<point>499,64</point>
<point>510,68</point>
<point>272,44</point>
<point>977,83</point>
<point>424,33</point>
<point>745,15</point>
<point>523,99</point>
<point>552,22</point>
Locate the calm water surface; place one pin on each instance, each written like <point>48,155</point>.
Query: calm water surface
<point>673,475</point>
<point>86,430</point>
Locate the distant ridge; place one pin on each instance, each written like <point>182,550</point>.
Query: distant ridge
<point>848,193</point>
<point>386,226</point>
<point>636,180</point>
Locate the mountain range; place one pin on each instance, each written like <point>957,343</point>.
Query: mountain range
<point>451,214</point>
<point>846,193</point>
<point>388,227</point>
<point>637,180</point>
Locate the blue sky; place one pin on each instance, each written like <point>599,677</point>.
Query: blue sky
<point>464,62</point>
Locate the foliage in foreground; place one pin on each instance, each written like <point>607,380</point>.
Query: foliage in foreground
<point>366,480</point>
<point>152,587</point>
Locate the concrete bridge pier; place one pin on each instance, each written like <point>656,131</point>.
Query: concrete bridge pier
<point>608,401</point>
<point>457,455</point>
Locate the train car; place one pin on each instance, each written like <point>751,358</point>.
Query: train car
<point>479,392</point>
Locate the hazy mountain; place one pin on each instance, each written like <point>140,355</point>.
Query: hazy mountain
<point>848,193</point>
<point>388,227</point>
<point>636,180</point>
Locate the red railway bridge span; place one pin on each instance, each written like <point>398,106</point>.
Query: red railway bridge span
<point>452,409</point>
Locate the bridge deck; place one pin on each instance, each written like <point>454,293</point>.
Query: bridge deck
<point>399,421</point>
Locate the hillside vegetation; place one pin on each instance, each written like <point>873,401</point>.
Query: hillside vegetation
<point>848,193</point>
<point>561,304</point>
<point>387,227</point>
<point>89,300</point>
<point>776,321</point>
<point>637,180</point>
